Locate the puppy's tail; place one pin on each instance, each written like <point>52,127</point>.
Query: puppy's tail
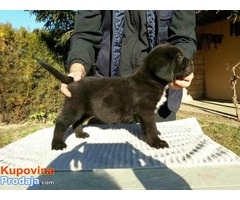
<point>57,74</point>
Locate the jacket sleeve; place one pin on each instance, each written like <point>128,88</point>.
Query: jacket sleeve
<point>86,38</point>
<point>182,31</point>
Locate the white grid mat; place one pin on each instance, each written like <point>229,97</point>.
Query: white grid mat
<point>119,146</point>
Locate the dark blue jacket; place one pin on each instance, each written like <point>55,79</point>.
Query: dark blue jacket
<point>105,35</point>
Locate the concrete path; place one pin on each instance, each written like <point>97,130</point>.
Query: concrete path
<point>210,107</point>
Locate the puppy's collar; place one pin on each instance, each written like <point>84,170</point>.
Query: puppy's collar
<point>161,81</point>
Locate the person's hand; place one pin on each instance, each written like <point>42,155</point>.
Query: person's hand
<point>183,83</point>
<point>77,71</point>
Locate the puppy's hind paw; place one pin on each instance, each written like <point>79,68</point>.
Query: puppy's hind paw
<point>59,146</point>
<point>164,144</point>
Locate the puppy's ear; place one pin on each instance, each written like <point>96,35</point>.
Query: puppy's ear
<point>159,66</point>
<point>164,73</point>
<point>161,62</point>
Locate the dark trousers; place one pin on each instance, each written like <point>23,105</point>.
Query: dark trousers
<point>164,114</point>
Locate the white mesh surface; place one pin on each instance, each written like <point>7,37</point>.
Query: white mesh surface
<point>119,146</point>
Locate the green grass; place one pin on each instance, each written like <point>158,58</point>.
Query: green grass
<point>226,135</point>
<point>222,130</point>
<point>11,133</point>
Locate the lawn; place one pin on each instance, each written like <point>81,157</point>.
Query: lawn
<point>222,130</point>
<point>13,132</point>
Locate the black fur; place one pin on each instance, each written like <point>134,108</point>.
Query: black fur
<point>121,99</point>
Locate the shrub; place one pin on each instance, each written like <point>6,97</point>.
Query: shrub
<point>25,87</point>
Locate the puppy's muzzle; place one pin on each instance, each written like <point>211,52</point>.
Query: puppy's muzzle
<point>187,67</point>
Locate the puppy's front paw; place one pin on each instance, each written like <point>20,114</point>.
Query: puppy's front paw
<point>58,145</point>
<point>157,143</point>
<point>82,135</point>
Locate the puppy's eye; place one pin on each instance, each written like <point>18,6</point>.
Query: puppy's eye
<point>180,59</point>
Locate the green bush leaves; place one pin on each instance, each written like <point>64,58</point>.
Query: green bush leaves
<point>26,89</point>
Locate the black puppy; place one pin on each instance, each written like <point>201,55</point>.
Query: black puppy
<point>122,99</point>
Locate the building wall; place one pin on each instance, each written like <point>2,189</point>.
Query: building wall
<point>196,89</point>
<point>217,74</point>
<point>212,75</point>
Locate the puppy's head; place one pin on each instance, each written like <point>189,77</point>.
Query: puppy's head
<point>167,63</point>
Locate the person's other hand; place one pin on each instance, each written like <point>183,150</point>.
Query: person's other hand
<point>183,83</point>
<point>77,71</point>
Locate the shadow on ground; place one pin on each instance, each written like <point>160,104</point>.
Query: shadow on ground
<point>101,177</point>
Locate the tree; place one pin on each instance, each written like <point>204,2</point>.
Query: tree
<point>233,83</point>
<point>59,25</point>
<point>62,20</point>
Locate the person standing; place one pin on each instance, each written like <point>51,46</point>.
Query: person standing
<point>113,43</point>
